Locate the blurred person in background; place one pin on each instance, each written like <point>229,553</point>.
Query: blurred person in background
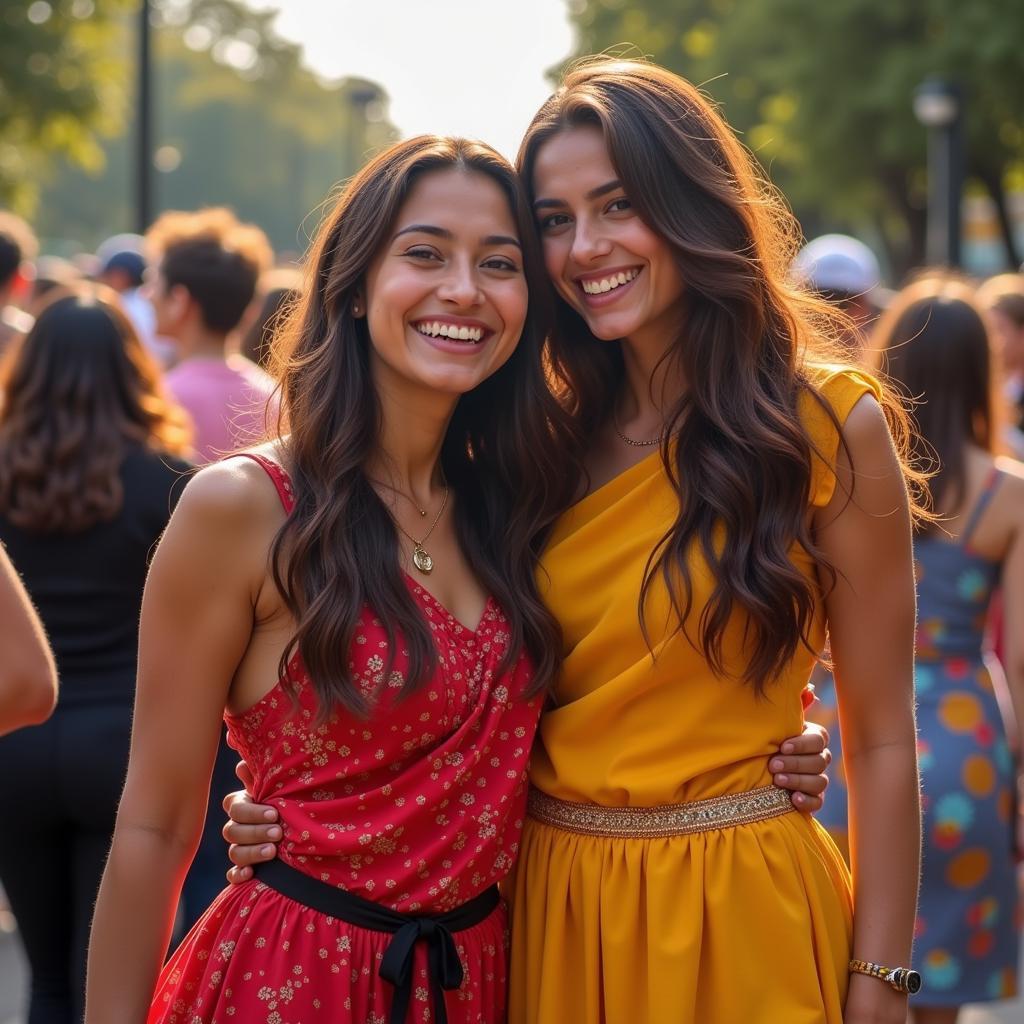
<point>18,248</point>
<point>279,290</point>
<point>934,344</point>
<point>121,262</point>
<point>90,468</point>
<point>28,676</point>
<point>208,265</point>
<point>207,268</point>
<point>1003,299</point>
<point>844,271</point>
<point>51,273</point>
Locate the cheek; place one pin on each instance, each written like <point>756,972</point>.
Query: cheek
<point>555,251</point>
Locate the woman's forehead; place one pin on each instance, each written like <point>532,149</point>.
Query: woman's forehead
<point>573,159</point>
<point>458,199</point>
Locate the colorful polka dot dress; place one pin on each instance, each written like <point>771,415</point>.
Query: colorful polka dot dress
<point>966,937</point>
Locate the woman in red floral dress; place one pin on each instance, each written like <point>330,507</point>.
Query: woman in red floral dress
<point>359,595</point>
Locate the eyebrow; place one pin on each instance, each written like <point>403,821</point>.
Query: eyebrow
<point>431,229</point>
<point>594,193</point>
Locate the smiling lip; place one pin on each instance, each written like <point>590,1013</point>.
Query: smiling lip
<point>596,300</point>
<point>427,328</point>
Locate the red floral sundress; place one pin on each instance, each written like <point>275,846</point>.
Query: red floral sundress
<point>418,807</point>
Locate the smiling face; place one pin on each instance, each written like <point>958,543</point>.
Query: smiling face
<point>446,297</point>
<point>604,260</point>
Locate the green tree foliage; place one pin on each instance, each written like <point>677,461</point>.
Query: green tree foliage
<point>822,92</point>
<point>239,120</point>
<point>62,84</point>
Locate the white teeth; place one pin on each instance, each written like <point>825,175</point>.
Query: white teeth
<point>436,329</point>
<point>606,284</point>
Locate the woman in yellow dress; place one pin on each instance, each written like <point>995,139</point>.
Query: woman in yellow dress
<point>738,497</point>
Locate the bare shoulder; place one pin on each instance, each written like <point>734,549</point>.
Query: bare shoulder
<point>235,496</point>
<point>867,443</point>
<point>1011,487</point>
<point>866,424</point>
<point>1013,470</point>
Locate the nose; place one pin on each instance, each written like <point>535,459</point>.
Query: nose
<point>461,286</point>
<point>588,242</point>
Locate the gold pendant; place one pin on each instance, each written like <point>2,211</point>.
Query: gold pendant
<point>422,560</point>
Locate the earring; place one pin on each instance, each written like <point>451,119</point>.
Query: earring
<point>356,309</point>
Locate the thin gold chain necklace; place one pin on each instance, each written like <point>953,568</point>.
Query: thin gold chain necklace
<point>629,440</point>
<point>420,556</point>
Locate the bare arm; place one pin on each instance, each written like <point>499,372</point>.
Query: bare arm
<point>1013,641</point>
<point>871,627</point>
<point>28,677</point>
<point>1013,609</point>
<point>197,617</point>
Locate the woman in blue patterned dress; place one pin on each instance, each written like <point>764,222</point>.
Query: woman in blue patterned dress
<point>933,342</point>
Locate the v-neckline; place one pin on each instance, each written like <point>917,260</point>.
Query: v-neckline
<point>435,601</point>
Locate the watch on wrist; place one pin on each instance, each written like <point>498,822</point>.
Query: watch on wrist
<point>903,979</point>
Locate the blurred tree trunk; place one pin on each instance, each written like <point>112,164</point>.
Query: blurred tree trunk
<point>992,178</point>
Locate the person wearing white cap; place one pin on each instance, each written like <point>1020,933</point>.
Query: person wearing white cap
<point>844,271</point>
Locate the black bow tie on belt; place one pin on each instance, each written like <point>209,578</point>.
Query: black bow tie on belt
<point>444,968</point>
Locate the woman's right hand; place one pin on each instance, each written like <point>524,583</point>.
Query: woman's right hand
<point>251,829</point>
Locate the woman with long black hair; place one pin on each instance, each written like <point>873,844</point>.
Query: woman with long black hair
<point>90,468</point>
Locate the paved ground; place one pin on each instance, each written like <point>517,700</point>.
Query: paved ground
<point>13,979</point>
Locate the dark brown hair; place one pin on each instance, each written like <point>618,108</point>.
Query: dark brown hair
<point>79,391</point>
<point>933,343</point>
<point>17,245</point>
<point>743,457</point>
<point>1005,294</point>
<point>281,289</point>
<point>338,550</point>
<point>213,255</point>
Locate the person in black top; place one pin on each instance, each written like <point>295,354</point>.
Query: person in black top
<point>90,469</point>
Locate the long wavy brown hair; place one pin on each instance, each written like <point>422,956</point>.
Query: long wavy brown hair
<point>79,390</point>
<point>338,550</point>
<point>743,457</point>
<point>933,343</point>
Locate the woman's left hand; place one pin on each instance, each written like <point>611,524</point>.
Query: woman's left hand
<point>800,767</point>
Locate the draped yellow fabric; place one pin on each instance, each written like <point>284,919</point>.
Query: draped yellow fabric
<point>744,925</point>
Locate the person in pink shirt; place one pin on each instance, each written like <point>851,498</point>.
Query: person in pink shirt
<point>209,264</point>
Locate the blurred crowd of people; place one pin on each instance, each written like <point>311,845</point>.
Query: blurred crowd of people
<point>123,370</point>
<point>121,373</point>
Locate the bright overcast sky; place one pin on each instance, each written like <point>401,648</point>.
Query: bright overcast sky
<point>461,67</point>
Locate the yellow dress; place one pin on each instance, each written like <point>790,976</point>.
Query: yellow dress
<point>749,924</point>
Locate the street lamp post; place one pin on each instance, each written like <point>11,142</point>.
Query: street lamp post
<point>359,97</point>
<point>144,133</point>
<point>938,105</point>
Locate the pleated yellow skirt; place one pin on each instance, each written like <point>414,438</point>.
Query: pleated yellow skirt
<point>744,925</point>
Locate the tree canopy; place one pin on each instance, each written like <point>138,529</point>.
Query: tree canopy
<point>62,86</point>
<point>822,93</point>
<point>239,120</point>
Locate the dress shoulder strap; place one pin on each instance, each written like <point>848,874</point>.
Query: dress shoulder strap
<point>984,499</point>
<point>276,473</point>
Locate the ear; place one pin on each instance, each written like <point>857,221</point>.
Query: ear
<point>358,304</point>
<point>179,299</point>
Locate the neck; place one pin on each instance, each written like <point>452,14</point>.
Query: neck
<point>653,383</point>
<point>199,342</point>
<point>412,431</point>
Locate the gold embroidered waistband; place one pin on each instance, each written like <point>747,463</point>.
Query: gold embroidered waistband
<point>662,820</point>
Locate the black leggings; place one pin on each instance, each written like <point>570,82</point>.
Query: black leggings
<point>63,781</point>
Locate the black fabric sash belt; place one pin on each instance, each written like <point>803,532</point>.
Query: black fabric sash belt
<point>443,964</point>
